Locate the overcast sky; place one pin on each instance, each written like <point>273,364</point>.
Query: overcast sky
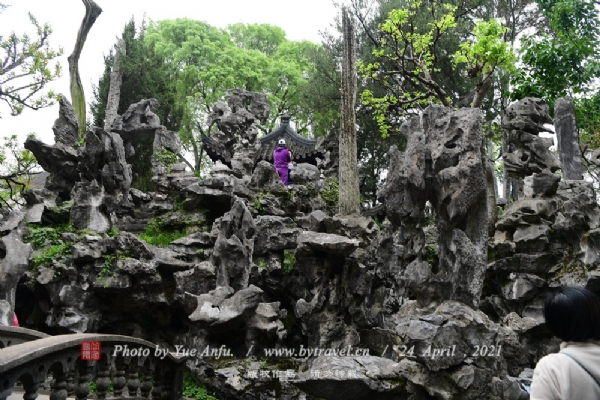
<point>301,20</point>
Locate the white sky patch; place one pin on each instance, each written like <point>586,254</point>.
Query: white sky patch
<point>301,20</point>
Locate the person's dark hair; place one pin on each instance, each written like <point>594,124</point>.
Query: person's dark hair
<point>573,314</point>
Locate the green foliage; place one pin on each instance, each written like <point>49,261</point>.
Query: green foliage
<point>429,220</point>
<point>192,389</point>
<point>262,265</point>
<point>259,37</point>
<point>52,253</point>
<point>418,46</point>
<point>39,235</point>
<point>488,50</point>
<point>145,75</point>
<point>565,61</point>
<point>406,60</point>
<point>109,260</point>
<point>142,166</point>
<point>289,261</point>
<point>157,235</point>
<point>331,194</point>
<point>256,202</point>
<point>105,272</point>
<point>27,68</point>
<point>167,157</point>
<point>486,53</point>
<point>17,166</point>
<point>288,197</point>
<point>113,232</point>
<point>289,320</point>
<point>430,253</point>
<point>204,62</point>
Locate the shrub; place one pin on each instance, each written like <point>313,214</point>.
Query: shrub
<point>289,261</point>
<point>192,389</point>
<point>156,234</point>
<point>52,253</point>
<point>331,194</point>
<point>167,157</point>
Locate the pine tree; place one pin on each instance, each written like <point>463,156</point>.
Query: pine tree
<point>144,76</point>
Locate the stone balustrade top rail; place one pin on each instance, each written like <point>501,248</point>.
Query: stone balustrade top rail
<point>14,356</point>
<point>142,375</point>
<point>12,335</point>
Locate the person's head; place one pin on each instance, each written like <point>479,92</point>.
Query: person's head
<point>573,314</point>
<point>291,153</point>
<point>281,143</point>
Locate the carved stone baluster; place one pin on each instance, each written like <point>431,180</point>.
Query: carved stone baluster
<point>157,389</point>
<point>119,380</point>
<point>166,386</point>
<point>70,383</point>
<point>103,380</point>
<point>82,389</point>
<point>59,387</point>
<point>133,383</point>
<point>146,386</point>
<point>31,389</point>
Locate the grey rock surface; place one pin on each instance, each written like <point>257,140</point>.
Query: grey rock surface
<point>567,136</point>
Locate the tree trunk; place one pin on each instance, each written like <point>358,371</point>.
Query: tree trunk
<point>92,11</point>
<point>349,194</point>
<point>116,80</point>
<point>482,89</point>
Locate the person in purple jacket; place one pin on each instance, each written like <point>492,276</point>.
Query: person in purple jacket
<point>281,157</point>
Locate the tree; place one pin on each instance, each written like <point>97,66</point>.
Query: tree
<point>562,58</point>
<point>563,61</point>
<point>406,59</point>
<point>92,11</point>
<point>145,75</point>
<point>205,61</point>
<point>263,38</point>
<point>349,195</point>
<point>26,68</point>
<point>17,165</point>
<point>487,52</point>
<point>410,55</point>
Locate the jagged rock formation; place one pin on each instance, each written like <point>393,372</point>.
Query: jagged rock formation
<point>442,164</point>
<point>423,305</point>
<point>329,147</point>
<point>544,239</point>
<point>237,122</point>
<point>567,137</point>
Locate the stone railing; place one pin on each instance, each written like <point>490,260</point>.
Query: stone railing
<point>135,374</point>
<point>13,335</point>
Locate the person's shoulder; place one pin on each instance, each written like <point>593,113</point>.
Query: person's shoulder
<point>550,361</point>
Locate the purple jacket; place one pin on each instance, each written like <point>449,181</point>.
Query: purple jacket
<point>281,155</point>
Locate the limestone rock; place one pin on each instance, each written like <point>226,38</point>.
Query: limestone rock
<point>66,127</point>
<point>304,174</point>
<point>309,242</point>
<point>197,281</point>
<point>89,248</point>
<point>226,313</point>
<point>138,116</point>
<point>232,254</point>
<point>274,234</point>
<point>265,177</point>
<point>567,136</point>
